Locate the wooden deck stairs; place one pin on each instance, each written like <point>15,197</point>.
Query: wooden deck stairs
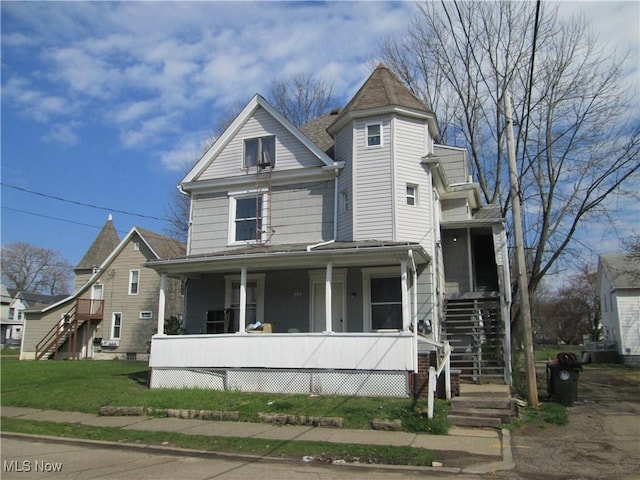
<point>66,330</point>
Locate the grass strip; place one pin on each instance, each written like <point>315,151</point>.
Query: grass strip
<point>320,451</point>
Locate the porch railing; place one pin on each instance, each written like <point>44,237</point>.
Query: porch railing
<point>443,350</point>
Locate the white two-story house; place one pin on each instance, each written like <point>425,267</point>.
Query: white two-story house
<point>315,258</point>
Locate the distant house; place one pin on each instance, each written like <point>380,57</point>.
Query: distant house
<point>19,301</point>
<point>114,308</point>
<point>619,287</point>
<point>337,258</point>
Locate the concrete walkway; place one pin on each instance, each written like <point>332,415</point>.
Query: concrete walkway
<point>487,443</point>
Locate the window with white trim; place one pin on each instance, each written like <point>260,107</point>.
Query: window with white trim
<point>116,325</point>
<point>412,194</point>
<point>374,135</point>
<point>382,297</point>
<point>146,315</point>
<point>260,152</point>
<point>134,282</point>
<point>255,298</point>
<point>246,214</point>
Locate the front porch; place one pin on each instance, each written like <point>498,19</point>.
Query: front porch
<point>341,320</point>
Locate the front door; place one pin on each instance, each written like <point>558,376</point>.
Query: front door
<point>318,320</point>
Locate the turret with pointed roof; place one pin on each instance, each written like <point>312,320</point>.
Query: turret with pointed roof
<point>106,241</point>
<point>383,92</point>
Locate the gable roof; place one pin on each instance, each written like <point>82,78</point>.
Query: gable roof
<point>35,299</point>
<point>101,247</point>
<point>622,269</point>
<point>161,247</point>
<point>384,92</point>
<point>256,102</point>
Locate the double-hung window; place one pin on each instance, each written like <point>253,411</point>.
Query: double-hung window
<point>374,135</point>
<point>260,152</point>
<point>382,296</point>
<point>255,298</point>
<point>412,194</point>
<point>134,282</point>
<point>386,303</point>
<point>116,325</point>
<point>247,218</point>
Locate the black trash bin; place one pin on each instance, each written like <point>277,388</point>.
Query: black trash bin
<point>562,379</point>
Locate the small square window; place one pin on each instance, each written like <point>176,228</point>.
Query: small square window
<point>412,194</point>
<point>374,135</point>
<point>260,152</point>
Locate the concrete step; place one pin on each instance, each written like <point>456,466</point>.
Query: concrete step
<point>470,421</point>
<point>483,402</point>
<point>505,415</point>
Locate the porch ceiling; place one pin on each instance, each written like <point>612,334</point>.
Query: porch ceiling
<point>295,256</point>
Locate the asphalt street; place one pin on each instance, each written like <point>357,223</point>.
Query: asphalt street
<point>27,459</point>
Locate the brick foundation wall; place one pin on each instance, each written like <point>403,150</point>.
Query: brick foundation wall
<point>425,360</point>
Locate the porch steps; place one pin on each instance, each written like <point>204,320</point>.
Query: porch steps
<point>482,406</point>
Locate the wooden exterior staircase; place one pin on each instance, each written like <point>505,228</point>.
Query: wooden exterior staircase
<point>473,327</point>
<point>66,330</point>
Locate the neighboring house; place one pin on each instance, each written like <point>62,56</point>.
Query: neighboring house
<point>113,311</point>
<point>14,303</point>
<point>619,289</point>
<point>356,242</point>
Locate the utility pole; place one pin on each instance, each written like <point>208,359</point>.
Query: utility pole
<point>523,282</point>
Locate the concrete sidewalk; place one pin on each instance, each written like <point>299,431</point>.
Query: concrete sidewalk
<point>487,443</point>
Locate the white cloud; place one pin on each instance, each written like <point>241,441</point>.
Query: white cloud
<point>63,133</point>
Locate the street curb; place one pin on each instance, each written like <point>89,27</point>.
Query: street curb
<point>168,450</point>
<point>507,462</point>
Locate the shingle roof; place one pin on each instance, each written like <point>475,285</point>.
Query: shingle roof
<point>622,269</point>
<point>383,89</point>
<point>106,241</point>
<point>316,131</point>
<point>165,247</point>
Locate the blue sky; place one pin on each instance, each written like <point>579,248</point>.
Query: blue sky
<point>104,103</point>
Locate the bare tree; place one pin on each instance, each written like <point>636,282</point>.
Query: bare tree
<point>301,98</point>
<point>574,310</point>
<point>578,136</point>
<point>28,268</point>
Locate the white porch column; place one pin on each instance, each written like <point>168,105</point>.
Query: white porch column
<point>161,303</point>
<point>406,306</point>
<point>328,303</point>
<point>243,301</point>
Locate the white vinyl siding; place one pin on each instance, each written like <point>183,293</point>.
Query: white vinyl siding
<point>289,151</point>
<point>373,199</point>
<point>413,222</point>
<point>298,213</point>
<point>343,151</point>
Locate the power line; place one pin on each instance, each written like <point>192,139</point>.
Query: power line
<point>74,202</point>
<point>49,217</point>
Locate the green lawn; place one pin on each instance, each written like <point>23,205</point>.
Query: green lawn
<point>85,386</point>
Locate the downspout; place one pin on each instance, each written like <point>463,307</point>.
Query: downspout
<point>335,217</point>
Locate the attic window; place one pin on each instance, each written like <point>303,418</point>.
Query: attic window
<point>260,152</point>
<point>374,135</point>
<point>136,246</point>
